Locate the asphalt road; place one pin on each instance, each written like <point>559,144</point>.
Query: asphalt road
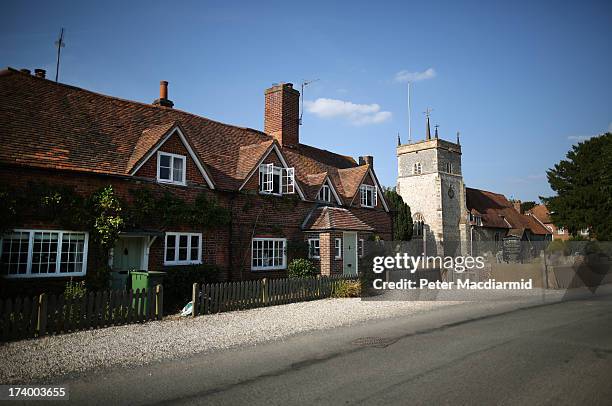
<point>466,354</point>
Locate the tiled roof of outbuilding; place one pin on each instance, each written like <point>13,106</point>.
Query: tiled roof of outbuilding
<point>334,218</point>
<point>498,212</point>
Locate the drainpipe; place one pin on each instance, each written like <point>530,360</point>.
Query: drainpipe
<point>231,232</point>
<point>471,240</point>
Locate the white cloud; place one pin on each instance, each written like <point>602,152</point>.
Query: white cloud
<point>405,76</point>
<point>357,114</point>
<point>586,137</point>
<point>579,137</point>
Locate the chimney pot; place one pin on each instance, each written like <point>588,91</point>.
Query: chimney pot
<point>163,95</point>
<point>41,73</point>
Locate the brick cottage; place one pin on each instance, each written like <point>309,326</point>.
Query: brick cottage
<point>278,191</point>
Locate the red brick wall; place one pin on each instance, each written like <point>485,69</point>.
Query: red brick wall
<point>281,116</point>
<point>228,247</point>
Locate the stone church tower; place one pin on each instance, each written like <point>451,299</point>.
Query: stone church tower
<point>431,183</point>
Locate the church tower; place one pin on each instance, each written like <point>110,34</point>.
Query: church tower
<point>431,182</point>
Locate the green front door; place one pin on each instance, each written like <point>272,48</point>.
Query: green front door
<point>128,253</point>
<point>349,253</point>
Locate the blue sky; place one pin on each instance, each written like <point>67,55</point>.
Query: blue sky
<point>521,80</point>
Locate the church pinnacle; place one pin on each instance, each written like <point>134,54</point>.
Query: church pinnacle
<point>427,129</point>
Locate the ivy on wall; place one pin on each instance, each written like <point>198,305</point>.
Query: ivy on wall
<point>103,214</point>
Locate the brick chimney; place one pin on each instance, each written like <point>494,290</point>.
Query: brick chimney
<point>163,95</point>
<point>282,114</point>
<point>40,73</point>
<point>517,205</point>
<point>366,160</point>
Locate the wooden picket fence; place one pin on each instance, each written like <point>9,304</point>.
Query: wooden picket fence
<point>228,296</point>
<point>53,314</point>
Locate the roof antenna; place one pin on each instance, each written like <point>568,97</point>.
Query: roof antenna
<point>304,84</point>
<point>59,44</point>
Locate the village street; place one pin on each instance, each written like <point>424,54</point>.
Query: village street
<point>471,353</point>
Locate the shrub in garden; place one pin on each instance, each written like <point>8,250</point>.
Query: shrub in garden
<point>178,283</point>
<point>302,268</point>
<point>347,288</point>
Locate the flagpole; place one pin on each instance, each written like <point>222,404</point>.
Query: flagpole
<point>409,109</point>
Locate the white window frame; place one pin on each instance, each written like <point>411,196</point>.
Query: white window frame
<point>58,260</point>
<point>172,181</point>
<point>338,248</point>
<point>561,230</point>
<point>364,189</point>
<point>175,260</point>
<point>360,248</point>
<point>324,194</point>
<point>314,244</point>
<point>286,179</point>
<point>273,267</point>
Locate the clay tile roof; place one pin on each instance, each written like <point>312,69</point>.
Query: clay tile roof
<point>53,125</point>
<point>350,179</point>
<point>541,213</point>
<point>498,212</point>
<point>313,182</point>
<point>249,156</point>
<point>334,218</point>
<point>150,137</point>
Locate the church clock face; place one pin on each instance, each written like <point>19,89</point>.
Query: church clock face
<point>451,192</point>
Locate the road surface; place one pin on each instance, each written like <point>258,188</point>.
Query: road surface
<point>466,354</point>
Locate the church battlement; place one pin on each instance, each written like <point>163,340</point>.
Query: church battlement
<point>428,144</point>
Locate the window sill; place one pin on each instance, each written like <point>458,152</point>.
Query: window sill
<point>271,194</point>
<point>182,263</point>
<point>44,275</point>
<point>169,182</point>
<point>275,268</point>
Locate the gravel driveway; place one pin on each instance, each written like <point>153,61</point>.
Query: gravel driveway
<point>38,360</point>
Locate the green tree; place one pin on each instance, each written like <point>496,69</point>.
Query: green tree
<point>402,218</point>
<point>526,206</point>
<point>583,186</point>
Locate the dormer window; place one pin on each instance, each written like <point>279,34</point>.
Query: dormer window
<point>324,194</point>
<point>368,196</point>
<point>276,180</point>
<point>171,168</point>
<point>417,169</point>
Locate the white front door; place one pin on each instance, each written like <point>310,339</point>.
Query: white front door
<point>349,253</point>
